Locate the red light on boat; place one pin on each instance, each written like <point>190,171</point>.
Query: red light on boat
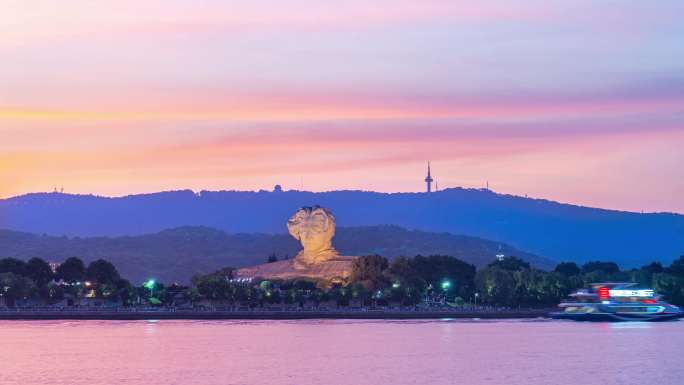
<point>649,301</point>
<point>603,293</point>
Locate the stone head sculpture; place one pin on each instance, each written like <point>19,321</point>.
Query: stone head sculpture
<point>314,227</point>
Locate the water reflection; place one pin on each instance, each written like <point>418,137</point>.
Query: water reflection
<point>489,352</point>
<point>631,325</point>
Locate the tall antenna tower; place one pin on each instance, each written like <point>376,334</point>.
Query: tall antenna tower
<point>428,179</point>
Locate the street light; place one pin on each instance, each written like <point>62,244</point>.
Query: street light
<point>150,285</point>
<point>446,285</point>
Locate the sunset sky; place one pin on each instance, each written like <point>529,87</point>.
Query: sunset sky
<point>572,100</point>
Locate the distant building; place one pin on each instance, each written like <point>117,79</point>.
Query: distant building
<point>278,188</point>
<point>428,179</point>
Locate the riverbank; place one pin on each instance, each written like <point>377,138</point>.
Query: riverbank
<point>259,314</point>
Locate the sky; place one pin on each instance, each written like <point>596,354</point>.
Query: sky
<point>571,100</point>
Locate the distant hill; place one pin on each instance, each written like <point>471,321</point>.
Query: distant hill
<point>176,254</point>
<point>555,230</point>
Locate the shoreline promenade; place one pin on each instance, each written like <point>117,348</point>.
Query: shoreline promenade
<point>138,314</point>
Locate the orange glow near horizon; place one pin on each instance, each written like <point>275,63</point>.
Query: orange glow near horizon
<point>117,98</point>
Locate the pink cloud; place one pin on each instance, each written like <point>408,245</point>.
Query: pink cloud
<point>223,103</point>
<point>58,22</point>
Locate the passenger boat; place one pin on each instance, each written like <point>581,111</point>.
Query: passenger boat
<point>616,302</point>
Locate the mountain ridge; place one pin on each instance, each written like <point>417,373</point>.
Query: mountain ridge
<point>176,254</point>
<point>198,194</point>
<point>557,230</point>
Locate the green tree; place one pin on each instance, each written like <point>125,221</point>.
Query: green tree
<point>496,286</point>
<point>12,265</point>
<point>214,287</point>
<point>319,296</point>
<point>52,292</point>
<point>568,269</point>
<point>510,263</point>
<point>341,295</point>
<point>293,296</point>
<point>72,270</point>
<point>402,271</point>
<point>192,295</point>
<point>369,270</point>
<point>555,287</point>
<point>671,287</point>
<point>644,275</point>
<point>39,271</point>
<point>677,267</point>
<point>604,267</point>
<point>653,268</point>
<point>535,288</point>
<point>360,293</point>
<point>439,269</point>
<point>102,272</point>
<point>14,287</point>
<point>127,293</point>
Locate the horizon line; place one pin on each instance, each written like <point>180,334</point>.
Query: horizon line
<point>198,193</point>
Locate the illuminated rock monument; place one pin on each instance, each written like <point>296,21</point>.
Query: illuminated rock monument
<point>314,227</point>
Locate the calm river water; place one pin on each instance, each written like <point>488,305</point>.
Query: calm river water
<point>340,352</point>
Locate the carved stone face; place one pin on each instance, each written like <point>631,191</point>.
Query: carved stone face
<point>314,227</point>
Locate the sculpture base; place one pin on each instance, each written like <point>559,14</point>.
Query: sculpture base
<point>337,270</point>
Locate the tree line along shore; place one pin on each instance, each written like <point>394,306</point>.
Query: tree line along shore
<point>434,282</point>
